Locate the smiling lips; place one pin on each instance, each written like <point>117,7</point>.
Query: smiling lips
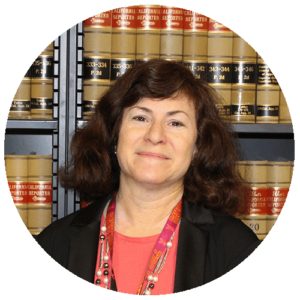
<point>153,155</point>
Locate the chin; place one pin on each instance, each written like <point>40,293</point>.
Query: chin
<point>145,176</point>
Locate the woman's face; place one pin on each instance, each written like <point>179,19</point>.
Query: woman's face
<point>157,141</point>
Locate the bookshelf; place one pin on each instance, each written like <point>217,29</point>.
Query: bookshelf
<point>267,141</point>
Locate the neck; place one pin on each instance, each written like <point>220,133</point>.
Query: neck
<point>144,211</point>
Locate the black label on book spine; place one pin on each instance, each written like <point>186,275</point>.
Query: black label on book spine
<point>242,110</point>
<point>20,105</point>
<point>219,73</point>
<point>198,69</point>
<point>265,76</point>
<point>224,110</point>
<point>96,68</point>
<point>119,67</point>
<point>41,103</point>
<point>267,111</point>
<point>243,73</point>
<point>42,67</point>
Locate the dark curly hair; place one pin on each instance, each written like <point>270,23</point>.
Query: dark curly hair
<point>212,178</point>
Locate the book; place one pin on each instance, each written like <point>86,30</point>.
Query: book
<point>16,173</point>
<point>267,94</point>
<point>195,43</point>
<point>279,180</point>
<point>96,60</point>
<point>41,104</point>
<point>20,106</point>
<point>123,43</point>
<point>171,34</point>
<point>39,170</point>
<point>148,22</point>
<point>219,60</point>
<point>244,80</point>
<point>256,216</point>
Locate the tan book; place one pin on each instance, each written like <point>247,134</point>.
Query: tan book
<point>16,172</point>
<point>279,181</point>
<point>20,106</point>
<point>220,64</point>
<point>148,19</point>
<point>243,81</point>
<point>171,34</point>
<point>42,85</point>
<point>256,215</point>
<point>96,60</point>
<point>267,95</point>
<point>123,42</point>
<point>195,43</point>
<point>39,192</point>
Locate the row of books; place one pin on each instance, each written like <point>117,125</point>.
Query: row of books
<point>30,183</point>
<point>268,186</point>
<point>34,96</point>
<point>115,40</point>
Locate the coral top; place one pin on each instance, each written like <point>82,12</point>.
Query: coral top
<point>131,257</point>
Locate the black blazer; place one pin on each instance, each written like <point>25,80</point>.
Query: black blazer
<point>210,244</point>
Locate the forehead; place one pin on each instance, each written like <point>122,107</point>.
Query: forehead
<point>179,102</point>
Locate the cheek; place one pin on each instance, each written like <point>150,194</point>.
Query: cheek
<point>125,148</point>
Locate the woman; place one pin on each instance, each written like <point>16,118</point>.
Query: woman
<point>158,167</point>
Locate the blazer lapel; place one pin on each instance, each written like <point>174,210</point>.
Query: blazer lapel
<point>192,247</point>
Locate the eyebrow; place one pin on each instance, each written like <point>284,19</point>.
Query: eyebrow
<point>170,113</point>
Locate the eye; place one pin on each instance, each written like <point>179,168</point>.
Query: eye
<point>139,118</point>
<point>176,123</point>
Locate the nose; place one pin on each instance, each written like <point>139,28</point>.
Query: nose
<point>156,134</point>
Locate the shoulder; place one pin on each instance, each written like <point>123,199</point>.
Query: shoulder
<point>219,225</point>
<point>231,240</point>
<point>56,238</point>
<point>231,228</point>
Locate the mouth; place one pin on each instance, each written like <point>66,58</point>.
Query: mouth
<point>152,155</point>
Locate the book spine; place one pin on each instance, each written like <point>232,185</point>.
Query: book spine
<point>279,180</point>
<point>148,23</point>
<point>195,28</point>
<point>39,192</point>
<point>20,106</point>
<point>256,216</point>
<point>243,81</point>
<point>16,172</point>
<point>220,64</point>
<point>96,60</point>
<point>171,34</point>
<point>267,94</point>
<point>42,85</point>
<point>284,112</point>
<point>123,46</point>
